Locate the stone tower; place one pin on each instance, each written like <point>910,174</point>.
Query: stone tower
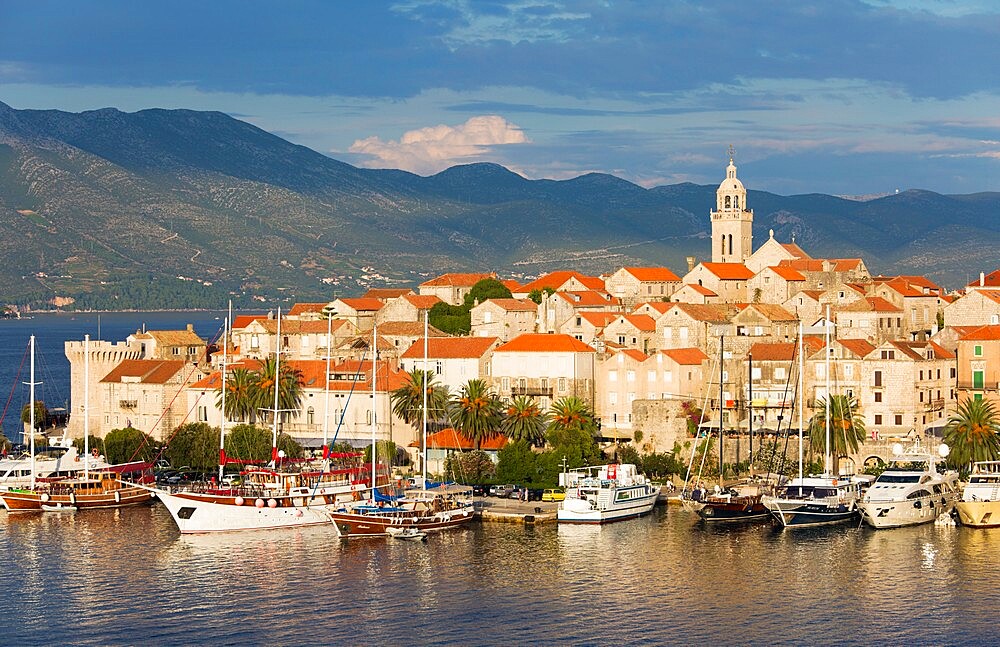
<point>104,356</point>
<point>732,222</point>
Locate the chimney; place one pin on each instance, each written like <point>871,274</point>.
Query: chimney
<point>982,279</point>
<point>190,327</point>
<point>691,260</point>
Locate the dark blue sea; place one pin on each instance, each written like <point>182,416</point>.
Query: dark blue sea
<point>127,577</point>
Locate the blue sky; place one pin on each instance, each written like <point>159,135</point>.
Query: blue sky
<point>837,96</point>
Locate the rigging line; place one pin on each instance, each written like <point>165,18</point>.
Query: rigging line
<point>697,432</point>
<point>13,386</point>
<point>784,398</point>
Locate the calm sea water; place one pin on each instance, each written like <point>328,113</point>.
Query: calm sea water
<point>51,331</point>
<point>128,577</point>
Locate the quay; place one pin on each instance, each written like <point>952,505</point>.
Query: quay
<point>492,510</point>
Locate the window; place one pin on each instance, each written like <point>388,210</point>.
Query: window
<point>878,378</point>
<point>667,334</point>
<point>878,418</point>
<point>668,376</point>
<point>650,376</point>
<point>488,318</point>
<point>612,398</point>
<point>310,416</point>
<point>562,385</point>
<point>203,413</point>
<point>848,370</point>
<point>977,350</point>
<point>921,375</point>
<point>579,321</point>
<point>898,419</point>
<point>621,339</point>
<point>176,350</point>
<point>820,371</point>
<point>545,383</point>
<point>612,376</point>
<point>504,383</point>
<point>755,373</point>
<point>878,396</point>
<point>255,341</point>
<point>631,397</point>
<point>977,379</point>
<point>953,369</point>
<point>779,372</point>
<point>630,376</point>
<point>684,333</point>
<point>438,367</point>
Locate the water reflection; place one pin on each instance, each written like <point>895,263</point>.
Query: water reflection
<point>130,577</point>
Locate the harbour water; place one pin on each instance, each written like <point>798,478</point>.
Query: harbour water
<point>129,577</point>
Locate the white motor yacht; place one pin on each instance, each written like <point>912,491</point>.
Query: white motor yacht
<point>614,493</point>
<point>981,497</point>
<point>911,490</point>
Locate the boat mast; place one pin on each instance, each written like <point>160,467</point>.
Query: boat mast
<point>277,382</point>
<point>222,424</point>
<point>423,448</point>
<point>374,372</point>
<point>802,398</point>
<point>750,409</point>
<point>86,407</point>
<point>31,413</point>
<point>829,397</point>
<point>326,389</point>
<point>721,407</point>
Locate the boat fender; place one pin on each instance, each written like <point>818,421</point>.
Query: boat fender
<point>118,496</point>
<point>72,498</point>
<point>77,458</point>
<point>298,513</point>
<point>239,501</point>
<point>45,497</point>
<point>271,503</point>
<point>259,503</point>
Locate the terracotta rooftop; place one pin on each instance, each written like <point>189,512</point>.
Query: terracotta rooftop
<point>599,319</point>
<point>386,293</point>
<point>659,306</point>
<point>587,298</point>
<point>542,343</point>
<point>172,337</point>
<point>450,348</point>
<point>991,280</point>
<point>242,321</point>
<point>729,271</point>
<point>794,250</point>
<point>983,333</point>
<point>556,280</point>
<point>302,308</point>
<point>149,371</point>
<point>644,323</point>
<point>422,302</point>
<point>408,329</point>
<point>653,274</point>
<point>466,280</point>
<point>686,356</point>
<point>704,312</point>
<point>637,355</point>
<point>787,273</point>
<point>701,289</point>
<point>869,304</point>
<point>451,439</point>
<point>859,347</point>
<point>773,312</point>
<point>297,327</point>
<point>363,304</point>
<point>779,352</point>
<point>515,305</point>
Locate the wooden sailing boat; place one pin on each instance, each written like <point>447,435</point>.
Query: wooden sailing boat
<point>103,489</point>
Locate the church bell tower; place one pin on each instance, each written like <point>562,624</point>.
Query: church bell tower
<point>732,222</point>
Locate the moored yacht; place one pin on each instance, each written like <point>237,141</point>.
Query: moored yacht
<point>817,500</point>
<point>910,491</point>
<point>980,504</point>
<point>606,493</point>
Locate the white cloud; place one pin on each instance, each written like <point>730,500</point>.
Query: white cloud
<point>435,148</point>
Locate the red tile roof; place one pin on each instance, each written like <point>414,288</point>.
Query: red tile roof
<point>991,280</point>
<point>637,355</point>
<point>704,312</point>
<point>859,347</point>
<point>659,306</point>
<point>780,352</point>
<point>773,312</point>
<point>556,280</point>
<point>511,285</point>
<point>542,343</point>
<point>515,305</point>
<point>242,321</point>
<point>302,308</point>
<point>457,280</point>
<point>386,293</point>
<point>940,352</point>
<point>870,304</point>
<point>729,271</point>
<point>599,319</point>
<point>363,304</point>
<point>588,298</point>
<point>686,356</point>
<point>422,302</point>
<point>653,274</point>
<point>794,250</point>
<point>451,348</point>
<point>787,273</point>
<point>408,329</point>
<point>296,327</point>
<point>451,439</point>
<point>644,323</point>
<point>701,289</point>
<point>149,371</point>
<point>983,333</point>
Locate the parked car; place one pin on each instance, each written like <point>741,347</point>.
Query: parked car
<point>502,491</point>
<point>553,495</point>
<point>535,494</point>
<point>480,490</point>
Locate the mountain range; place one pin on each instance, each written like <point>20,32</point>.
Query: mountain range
<point>178,208</point>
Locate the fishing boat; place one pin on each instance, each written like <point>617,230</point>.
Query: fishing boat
<point>911,490</point>
<point>606,493</point>
<point>981,497</point>
<point>741,502</point>
<point>15,472</point>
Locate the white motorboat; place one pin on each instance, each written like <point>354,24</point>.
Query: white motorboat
<point>980,504</point>
<point>409,534</point>
<point>606,493</point>
<point>910,491</point>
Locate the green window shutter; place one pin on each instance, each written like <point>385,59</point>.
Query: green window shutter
<point>977,379</point>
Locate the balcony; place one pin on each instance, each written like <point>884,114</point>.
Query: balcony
<point>128,404</point>
<point>937,404</point>
<point>532,391</point>
<point>971,386</point>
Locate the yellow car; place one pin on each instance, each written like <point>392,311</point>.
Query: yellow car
<point>553,495</point>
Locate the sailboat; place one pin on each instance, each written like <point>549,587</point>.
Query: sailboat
<point>381,514</point>
<point>817,499</point>
<point>102,489</point>
<point>736,503</point>
<point>267,497</point>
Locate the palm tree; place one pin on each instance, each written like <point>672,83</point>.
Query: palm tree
<point>847,430</point>
<point>239,396</point>
<point>571,414</point>
<point>289,385</point>
<point>525,421</point>
<point>475,412</point>
<point>408,400</point>
<point>971,433</point>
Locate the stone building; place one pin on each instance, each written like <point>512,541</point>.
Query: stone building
<point>504,318</point>
<point>732,221</point>
<point>978,365</point>
<point>634,285</point>
<point>546,367</point>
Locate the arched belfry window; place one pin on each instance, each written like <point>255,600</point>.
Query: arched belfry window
<point>736,202</point>
<point>727,202</point>
<point>730,244</point>
<point>722,249</point>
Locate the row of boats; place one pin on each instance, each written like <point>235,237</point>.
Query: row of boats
<point>912,490</point>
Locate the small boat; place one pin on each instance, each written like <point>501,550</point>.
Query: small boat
<point>910,491</point>
<point>981,497</point>
<point>614,493</point>
<point>408,534</point>
<point>738,503</point>
<point>58,507</point>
